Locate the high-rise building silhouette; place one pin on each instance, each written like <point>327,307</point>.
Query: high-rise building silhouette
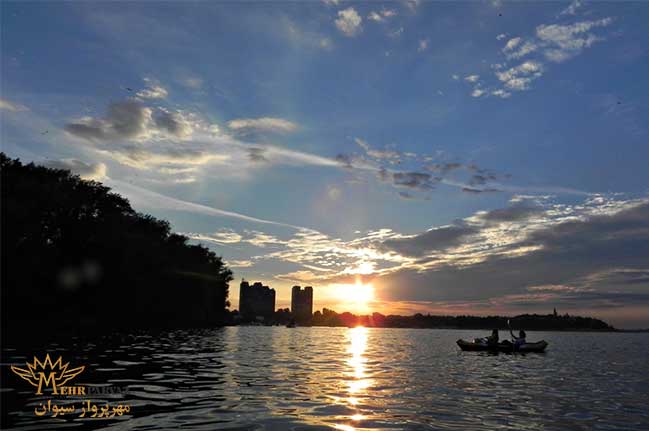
<point>256,301</point>
<point>302,304</point>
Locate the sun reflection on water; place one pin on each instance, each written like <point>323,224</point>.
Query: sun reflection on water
<point>358,381</point>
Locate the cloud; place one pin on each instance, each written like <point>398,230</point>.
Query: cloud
<point>412,5</point>
<point>148,199</point>
<point>162,141</point>
<point>477,92</point>
<point>476,190</point>
<point>443,168</point>
<point>532,253</point>
<point>518,78</point>
<point>417,179</point>
<point>12,106</point>
<point>554,42</point>
<point>125,120</point>
<point>299,277</point>
<point>472,78</point>
<point>173,123</point>
<point>423,45</point>
<point>300,37</point>
<point>414,180</point>
<point>572,8</point>
<point>387,155</point>
<point>436,239</point>
<point>396,33</point>
<point>228,236</point>
<point>566,41</point>
<point>597,252</point>
<point>349,22</point>
<point>193,82</point>
<point>523,50</point>
<point>501,93</point>
<point>239,263</point>
<point>153,90</point>
<point>87,171</point>
<point>256,154</point>
<point>223,236</point>
<point>263,124</point>
<point>512,43</point>
<point>161,158</point>
<point>519,211</point>
<point>382,15</point>
<point>130,128</point>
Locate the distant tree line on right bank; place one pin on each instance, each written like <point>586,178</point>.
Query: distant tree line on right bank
<point>533,322</point>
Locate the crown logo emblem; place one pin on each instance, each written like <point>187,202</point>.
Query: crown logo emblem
<point>47,374</point>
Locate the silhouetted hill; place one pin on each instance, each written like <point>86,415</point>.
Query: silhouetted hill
<point>533,322</point>
<point>76,256</point>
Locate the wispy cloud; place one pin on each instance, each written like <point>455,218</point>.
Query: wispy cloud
<point>12,106</point>
<point>553,43</point>
<point>153,90</point>
<point>382,15</point>
<point>306,37</point>
<point>563,42</point>
<point>263,124</point>
<point>143,198</point>
<point>572,8</point>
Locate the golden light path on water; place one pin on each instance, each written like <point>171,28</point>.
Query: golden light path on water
<point>358,382</point>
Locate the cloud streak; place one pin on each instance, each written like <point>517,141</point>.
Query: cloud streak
<point>151,200</point>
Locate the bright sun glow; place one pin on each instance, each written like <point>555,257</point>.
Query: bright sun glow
<point>355,297</point>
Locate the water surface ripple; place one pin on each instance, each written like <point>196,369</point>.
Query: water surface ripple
<point>276,378</point>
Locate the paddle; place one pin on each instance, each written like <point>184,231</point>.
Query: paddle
<point>512,334</point>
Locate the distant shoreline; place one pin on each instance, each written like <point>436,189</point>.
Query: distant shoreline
<point>529,322</point>
<point>639,331</point>
<point>484,328</point>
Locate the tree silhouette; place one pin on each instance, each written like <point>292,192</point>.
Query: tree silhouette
<point>75,255</point>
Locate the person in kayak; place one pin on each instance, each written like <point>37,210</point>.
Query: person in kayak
<point>492,340</point>
<point>520,340</point>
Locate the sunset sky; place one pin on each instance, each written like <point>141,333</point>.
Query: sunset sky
<point>471,157</point>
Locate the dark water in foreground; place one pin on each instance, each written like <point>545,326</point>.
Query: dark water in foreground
<point>275,378</point>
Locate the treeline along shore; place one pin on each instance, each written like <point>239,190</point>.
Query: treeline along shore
<point>533,322</point>
<point>77,257</point>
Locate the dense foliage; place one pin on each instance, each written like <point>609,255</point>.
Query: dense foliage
<point>550,322</point>
<point>76,255</point>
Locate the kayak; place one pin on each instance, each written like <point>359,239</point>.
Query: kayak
<point>472,346</point>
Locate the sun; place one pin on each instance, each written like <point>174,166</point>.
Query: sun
<point>355,297</point>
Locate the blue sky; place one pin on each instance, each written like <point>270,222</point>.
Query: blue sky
<point>432,149</point>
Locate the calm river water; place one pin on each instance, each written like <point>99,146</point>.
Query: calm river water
<point>276,378</point>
